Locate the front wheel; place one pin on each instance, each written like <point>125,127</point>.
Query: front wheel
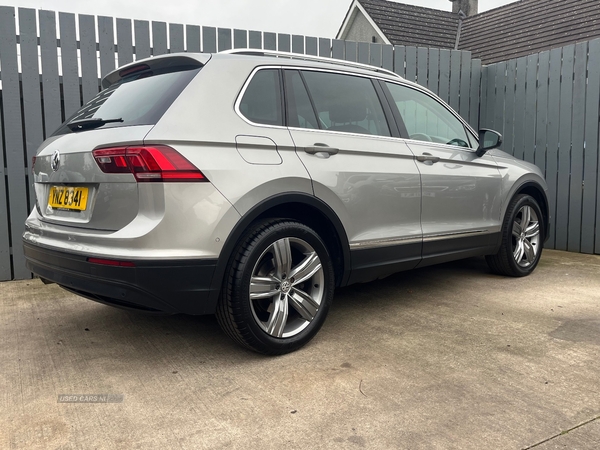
<point>522,239</point>
<point>278,289</point>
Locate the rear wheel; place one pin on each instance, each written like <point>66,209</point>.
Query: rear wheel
<point>278,289</point>
<point>522,238</point>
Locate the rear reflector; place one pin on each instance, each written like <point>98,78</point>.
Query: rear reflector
<point>148,163</point>
<point>110,262</point>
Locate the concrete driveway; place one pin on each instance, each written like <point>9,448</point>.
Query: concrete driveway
<point>438,358</point>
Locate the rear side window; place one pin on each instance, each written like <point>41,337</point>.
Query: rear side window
<point>261,102</point>
<point>139,99</point>
<point>346,103</point>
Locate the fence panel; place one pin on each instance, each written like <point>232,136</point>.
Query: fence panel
<point>325,47</point>
<point>444,78</point>
<point>509,107</point>
<point>555,125</point>
<point>422,65</point>
<point>125,41</point>
<point>387,57</point>
<point>591,189</point>
<point>411,63</point>
<point>564,147</point>
<point>13,140</point>
<point>284,43</point>
<point>465,85</point>
<point>5,247</point>
<point>142,39</point>
<point>541,125</point>
<point>400,60</point>
<point>159,38</point>
<point>175,38</point>
<point>192,38</point>
<point>577,150</point>
<point>89,60</point>
<point>50,80</point>
<point>224,42</point>
<point>255,39</point>
<point>530,108</point>
<point>375,55</point>
<point>475,90</point>
<point>311,46</point>
<point>209,39</point>
<point>363,53</point>
<point>297,44</point>
<point>30,81</point>
<point>106,39</point>
<point>240,39</point>
<point>540,103</point>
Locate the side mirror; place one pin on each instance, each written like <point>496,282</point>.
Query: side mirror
<point>488,139</point>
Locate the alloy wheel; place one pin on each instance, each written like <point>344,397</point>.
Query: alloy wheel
<point>286,287</point>
<point>525,236</point>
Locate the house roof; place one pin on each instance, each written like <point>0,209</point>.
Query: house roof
<point>518,29</point>
<point>413,25</point>
<point>529,26</point>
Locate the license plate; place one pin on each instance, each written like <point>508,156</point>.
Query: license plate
<point>67,197</point>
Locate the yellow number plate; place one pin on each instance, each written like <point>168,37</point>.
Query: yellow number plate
<point>66,197</point>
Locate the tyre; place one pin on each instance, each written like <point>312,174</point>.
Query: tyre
<point>522,239</point>
<point>278,288</point>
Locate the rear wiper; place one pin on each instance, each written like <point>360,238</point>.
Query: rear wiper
<point>92,122</point>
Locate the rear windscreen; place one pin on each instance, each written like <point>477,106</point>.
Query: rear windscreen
<point>138,99</point>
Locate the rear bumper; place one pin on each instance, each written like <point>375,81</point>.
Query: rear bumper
<point>178,286</point>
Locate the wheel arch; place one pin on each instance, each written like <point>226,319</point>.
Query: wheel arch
<point>537,192</point>
<point>304,208</point>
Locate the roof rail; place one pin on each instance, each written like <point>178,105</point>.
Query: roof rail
<point>303,57</point>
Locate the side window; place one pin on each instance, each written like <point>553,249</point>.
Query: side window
<point>346,103</point>
<point>426,119</point>
<point>262,100</point>
<point>300,110</point>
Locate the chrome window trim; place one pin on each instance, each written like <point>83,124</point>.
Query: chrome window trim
<point>242,92</point>
<point>401,82</point>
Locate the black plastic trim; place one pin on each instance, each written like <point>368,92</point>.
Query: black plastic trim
<point>545,209</point>
<point>174,286</point>
<point>387,110</point>
<point>373,263</point>
<point>259,209</point>
<point>394,109</point>
<point>453,248</point>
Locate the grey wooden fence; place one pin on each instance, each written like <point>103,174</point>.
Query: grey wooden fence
<point>547,107</point>
<point>47,75</point>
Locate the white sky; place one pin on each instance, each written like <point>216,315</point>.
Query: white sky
<point>321,18</point>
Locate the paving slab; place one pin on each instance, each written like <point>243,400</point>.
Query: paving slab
<point>445,357</point>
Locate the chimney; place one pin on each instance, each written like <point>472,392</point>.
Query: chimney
<point>468,7</point>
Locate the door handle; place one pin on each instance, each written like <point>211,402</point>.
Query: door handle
<point>428,158</point>
<point>321,148</point>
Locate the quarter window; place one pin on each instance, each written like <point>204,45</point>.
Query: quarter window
<point>426,119</point>
<point>261,102</point>
<point>346,103</point>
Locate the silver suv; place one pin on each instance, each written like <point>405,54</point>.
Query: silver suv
<point>251,185</point>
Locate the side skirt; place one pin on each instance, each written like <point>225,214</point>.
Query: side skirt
<point>376,262</point>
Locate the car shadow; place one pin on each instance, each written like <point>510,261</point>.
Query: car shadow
<point>154,339</point>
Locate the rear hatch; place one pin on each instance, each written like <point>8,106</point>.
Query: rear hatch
<point>78,187</point>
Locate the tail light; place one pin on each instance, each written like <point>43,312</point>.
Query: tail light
<point>148,163</point>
